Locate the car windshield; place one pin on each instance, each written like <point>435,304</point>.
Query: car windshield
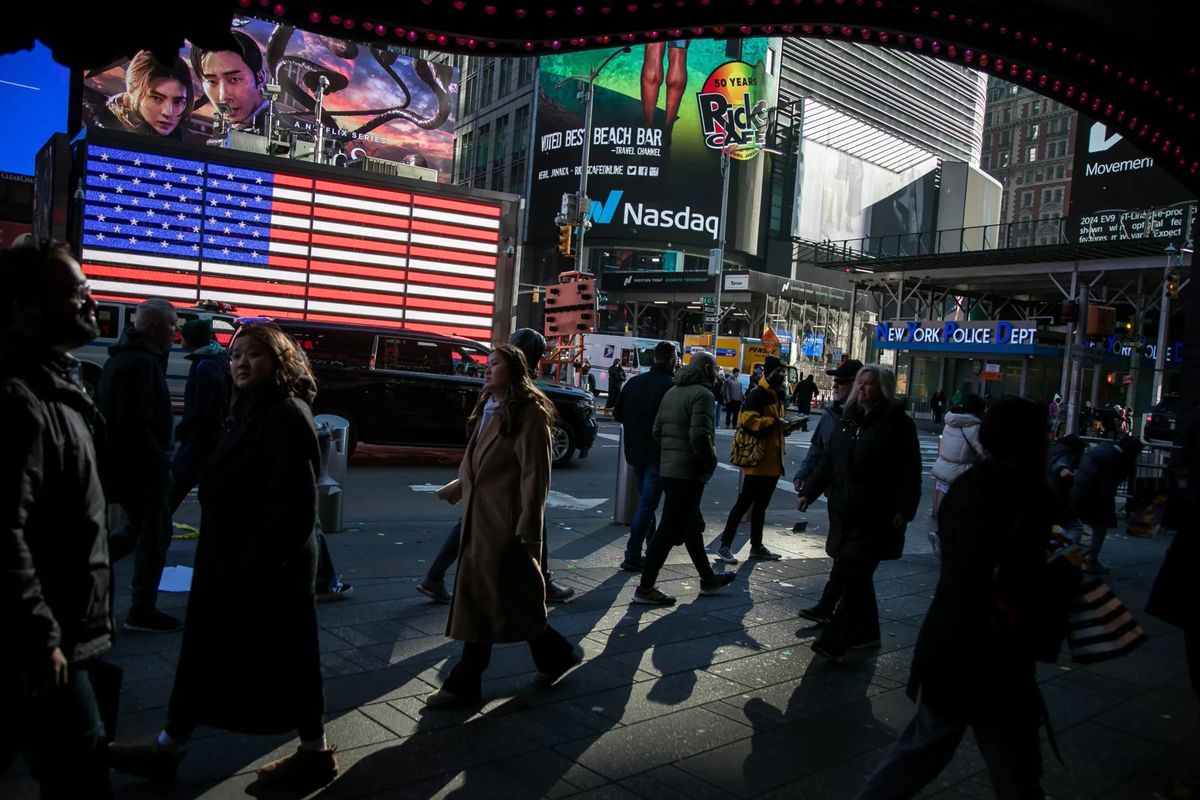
<point>645,356</point>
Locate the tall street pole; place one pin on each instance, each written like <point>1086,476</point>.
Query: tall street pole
<point>720,253</point>
<point>583,205</point>
<point>1164,321</point>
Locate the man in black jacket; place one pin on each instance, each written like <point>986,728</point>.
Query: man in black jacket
<point>55,607</point>
<point>133,397</point>
<point>1094,494</point>
<point>637,406</point>
<point>205,406</point>
<point>843,381</point>
<point>992,617</point>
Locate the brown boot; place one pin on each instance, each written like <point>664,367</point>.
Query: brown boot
<point>303,769</point>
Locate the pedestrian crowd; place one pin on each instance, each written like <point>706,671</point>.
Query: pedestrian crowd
<point>1016,518</point>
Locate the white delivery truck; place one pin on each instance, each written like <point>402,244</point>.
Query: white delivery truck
<point>635,353</point>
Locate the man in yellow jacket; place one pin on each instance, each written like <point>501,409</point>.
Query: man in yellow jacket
<point>762,416</point>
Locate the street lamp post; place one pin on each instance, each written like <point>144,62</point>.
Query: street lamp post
<point>1164,321</point>
<point>582,205</point>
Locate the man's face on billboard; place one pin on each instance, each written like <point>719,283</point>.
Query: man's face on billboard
<point>228,80</point>
<point>162,105</point>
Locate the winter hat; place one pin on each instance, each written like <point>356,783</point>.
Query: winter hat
<point>770,364</point>
<point>197,332</point>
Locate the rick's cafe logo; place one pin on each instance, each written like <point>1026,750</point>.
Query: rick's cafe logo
<point>731,111</point>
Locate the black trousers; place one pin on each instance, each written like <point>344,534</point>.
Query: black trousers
<point>1010,749</point>
<point>550,650</point>
<point>681,521</point>
<point>856,618</point>
<point>834,587</point>
<point>732,410</point>
<point>756,494</point>
<point>62,737</point>
<point>147,536</point>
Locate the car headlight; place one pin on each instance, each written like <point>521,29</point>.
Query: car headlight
<point>586,406</point>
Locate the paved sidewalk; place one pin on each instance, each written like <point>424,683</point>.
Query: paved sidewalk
<point>714,698</point>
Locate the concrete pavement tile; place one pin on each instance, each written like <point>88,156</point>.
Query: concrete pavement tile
<point>1089,682</point>
<point>415,653</point>
<point>670,783</point>
<point>1140,668</point>
<point>610,792</point>
<point>550,774</point>
<point>834,783</point>
<point>771,758</point>
<point>345,692</point>
<point>695,654</point>
<point>382,632</point>
<point>148,666</point>
<point>142,695</point>
<point>1068,707</point>
<point>635,748</point>
<point>891,588</point>
<point>910,605</point>
<point>1116,753</point>
<point>764,669</point>
<point>784,703</point>
<point>1155,715</point>
<point>649,699</point>
<point>349,662</point>
<point>330,641</point>
<point>390,717</point>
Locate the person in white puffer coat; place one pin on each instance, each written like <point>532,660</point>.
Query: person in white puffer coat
<point>959,447</point>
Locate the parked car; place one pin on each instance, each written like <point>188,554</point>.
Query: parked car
<point>1159,425</point>
<point>115,315</point>
<point>402,387</point>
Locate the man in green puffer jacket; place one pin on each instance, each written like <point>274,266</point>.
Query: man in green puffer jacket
<point>685,430</point>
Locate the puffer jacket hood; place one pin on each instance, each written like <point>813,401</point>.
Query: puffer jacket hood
<point>960,447</point>
<point>691,375</point>
<point>961,419</point>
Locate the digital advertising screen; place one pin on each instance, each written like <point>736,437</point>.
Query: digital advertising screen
<point>661,115</point>
<point>377,103</point>
<point>1118,193</point>
<point>34,93</point>
<point>284,243</point>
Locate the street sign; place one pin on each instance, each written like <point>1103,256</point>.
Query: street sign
<point>770,340</point>
<point>991,372</point>
<point>708,300</point>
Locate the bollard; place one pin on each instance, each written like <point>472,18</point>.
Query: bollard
<point>331,436</point>
<point>627,495</point>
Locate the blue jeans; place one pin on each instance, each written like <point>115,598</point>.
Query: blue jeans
<point>641,530</point>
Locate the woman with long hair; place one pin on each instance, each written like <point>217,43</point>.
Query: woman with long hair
<point>872,470</point>
<point>158,98</point>
<point>250,660</point>
<point>499,591</point>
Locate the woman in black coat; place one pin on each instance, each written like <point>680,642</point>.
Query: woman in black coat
<point>250,660</point>
<point>872,471</point>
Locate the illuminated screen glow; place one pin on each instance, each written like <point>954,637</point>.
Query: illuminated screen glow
<point>284,244</point>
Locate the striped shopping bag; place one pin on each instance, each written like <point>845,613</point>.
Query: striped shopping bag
<point>1099,626</point>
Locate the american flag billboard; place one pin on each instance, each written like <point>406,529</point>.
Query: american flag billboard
<point>283,243</point>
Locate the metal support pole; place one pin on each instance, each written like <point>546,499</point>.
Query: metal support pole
<point>853,305</point>
<point>580,254</point>
<point>1069,335</point>
<point>1135,357</point>
<point>725,170</point>
<point>1077,363</point>
<point>1164,319</point>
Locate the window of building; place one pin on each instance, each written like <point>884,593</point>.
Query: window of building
<point>1028,176</point>
<point>1052,195</point>
<point>1024,110</point>
<point>1030,155</point>
<point>1007,115</point>
<point>506,70</point>
<point>1034,130</point>
<point>499,151</point>
<point>468,88</point>
<point>520,137</point>
<point>465,156</point>
<point>1005,157</point>
<point>486,79</point>
<point>1006,137</point>
<point>1056,149</point>
<point>1035,107</point>
<point>770,61</point>
<point>526,71</point>
<point>987,141</point>
<point>1047,215</point>
<point>1027,199</point>
<point>482,146</point>
<point>1014,90</point>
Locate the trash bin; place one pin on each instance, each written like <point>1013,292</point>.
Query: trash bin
<point>627,496</point>
<point>331,436</point>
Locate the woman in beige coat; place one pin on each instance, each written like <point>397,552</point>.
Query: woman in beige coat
<point>499,592</point>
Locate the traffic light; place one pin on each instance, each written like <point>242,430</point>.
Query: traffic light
<point>1173,284</point>
<point>537,294</point>
<point>564,239</point>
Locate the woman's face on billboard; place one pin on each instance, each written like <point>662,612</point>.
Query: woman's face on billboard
<point>162,105</point>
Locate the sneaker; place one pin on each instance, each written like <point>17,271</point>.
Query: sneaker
<point>726,555</point>
<point>302,770</point>
<point>546,679</point>
<point>711,587</point>
<point>764,553</point>
<point>435,591</point>
<point>146,760</point>
<point>153,622</point>
<point>870,644</point>
<point>817,615</point>
<point>339,592</point>
<point>442,700</point>
<point>935,544</point>
<point>557,593</point>
<point>652,597</point>
<point>1095,566</point>
<point>632,565</point>
<point>823,653</point>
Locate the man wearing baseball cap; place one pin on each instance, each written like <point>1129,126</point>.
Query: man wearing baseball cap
<point>843,381</point>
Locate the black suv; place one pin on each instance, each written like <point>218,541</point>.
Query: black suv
<point>1160,422</point>
<point>403,387</point>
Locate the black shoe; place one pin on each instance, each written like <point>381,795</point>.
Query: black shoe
<point>817,615</point>
<point>652,597</point>
<point>870,644</point>
<point>821,651</point>
<point>442,700</point>
<point>551,678</point>
<point>630,565</point>
<point>711,587</point>
<point>145,759</point>
<point>557,593</point>
<point>153,622</point>
<point>341,591</point>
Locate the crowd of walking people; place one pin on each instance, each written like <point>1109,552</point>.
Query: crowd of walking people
<point>250,658</point>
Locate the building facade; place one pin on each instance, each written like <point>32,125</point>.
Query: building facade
<point>1028,145</point>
